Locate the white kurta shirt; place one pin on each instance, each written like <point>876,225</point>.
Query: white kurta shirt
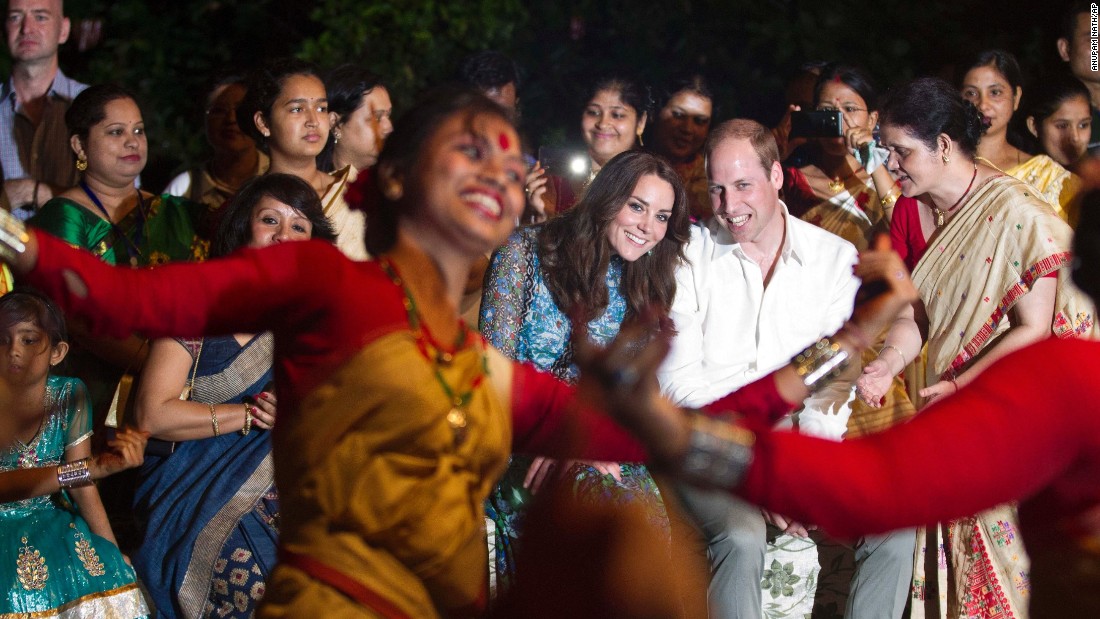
<point>732,330</point>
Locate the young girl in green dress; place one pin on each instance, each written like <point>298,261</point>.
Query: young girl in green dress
<point>58,551</point>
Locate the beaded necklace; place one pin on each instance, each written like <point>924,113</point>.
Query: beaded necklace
<point>425,343</point>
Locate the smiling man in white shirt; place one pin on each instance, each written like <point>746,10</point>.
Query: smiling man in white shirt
<point>759,287</point>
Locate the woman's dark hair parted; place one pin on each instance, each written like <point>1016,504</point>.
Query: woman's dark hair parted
<point>235,229</point>
<point>853,77</point>
<point>404,148</point>
<point>89,108</point>
<point>574,251</point>
<point>28,305</point>
<point>345,86</point>
<point>928,106</point>
<point>263,88</point>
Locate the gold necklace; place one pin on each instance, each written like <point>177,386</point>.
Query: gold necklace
<point>941,214</point>
<point>837,184</point>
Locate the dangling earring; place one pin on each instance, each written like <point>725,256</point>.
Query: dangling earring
<point>81,164</point>
<point>393,191</point>
<point>946,160</point>
<point>640,142</point>
<point>335,137</point>
<point>649,253</point>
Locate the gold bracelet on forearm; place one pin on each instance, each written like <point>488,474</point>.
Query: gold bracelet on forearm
<point>247,419</point>
<point>214,420</point>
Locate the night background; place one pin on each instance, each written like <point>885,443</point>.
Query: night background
<point>167,51</point>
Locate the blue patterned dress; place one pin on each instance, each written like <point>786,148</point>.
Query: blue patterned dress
<point>520,318</point>
<point>55,565</point>
<point>211,505</point>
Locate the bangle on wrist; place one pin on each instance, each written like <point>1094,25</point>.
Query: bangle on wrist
<point>718,453</point>
<point>74,474</point>
<point>820,364</point>
<point>247,419</point>
<point>897,350</point>
<point>888,200</point>
<point>214,420</point>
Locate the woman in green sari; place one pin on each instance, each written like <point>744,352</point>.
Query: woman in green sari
<point>106,214</point>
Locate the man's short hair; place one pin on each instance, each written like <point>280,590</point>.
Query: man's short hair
<point>761,138</point>
<point>1067,26</point>
<point>487,70</point>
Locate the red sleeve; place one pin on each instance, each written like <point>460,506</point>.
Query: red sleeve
<point>797,193</point>
<point>549,420</point>
<point>321,306</point>
<point>758,403</point>
<point>1004,437</point>
<point>250,291</point>
<point>905,232</point>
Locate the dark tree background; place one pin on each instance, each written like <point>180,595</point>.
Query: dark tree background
<point>167,51</point>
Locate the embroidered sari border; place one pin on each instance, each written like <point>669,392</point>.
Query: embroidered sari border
<point>1036,271</point>
<point>124,601</point>
<point>208,545</point>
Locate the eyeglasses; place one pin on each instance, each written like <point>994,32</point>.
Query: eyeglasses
<point>847,109</point>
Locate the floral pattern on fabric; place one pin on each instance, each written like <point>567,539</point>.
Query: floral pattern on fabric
<point>520,318</point>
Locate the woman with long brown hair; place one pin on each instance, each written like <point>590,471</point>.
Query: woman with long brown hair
<point>608,258</point>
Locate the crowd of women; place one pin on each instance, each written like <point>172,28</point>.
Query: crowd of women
<point>314,426</point>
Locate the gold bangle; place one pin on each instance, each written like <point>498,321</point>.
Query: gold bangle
<point>247,419</point>
<point>214,420</point>
<point>890,198</point>
<point>895,349</point>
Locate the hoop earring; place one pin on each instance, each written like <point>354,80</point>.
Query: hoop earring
<point>81,164</point>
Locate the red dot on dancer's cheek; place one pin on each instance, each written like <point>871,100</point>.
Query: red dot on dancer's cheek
<point>504,141</point>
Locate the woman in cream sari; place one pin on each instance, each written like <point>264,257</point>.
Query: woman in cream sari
<point>286,113</point>
<point>992,279</point>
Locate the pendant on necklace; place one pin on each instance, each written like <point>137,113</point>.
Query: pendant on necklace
<point>456,418</point>
<point>940,217</point>
<point>836,185</point>
<point>28,457</point>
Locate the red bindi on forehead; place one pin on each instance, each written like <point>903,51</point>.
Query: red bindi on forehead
<point>504,141</point>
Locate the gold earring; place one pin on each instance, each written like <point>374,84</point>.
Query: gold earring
<point>335,137</point>
<point>946,160</point>
<point>393,191</point>
<point>82,164</point>
<point>640,142</point>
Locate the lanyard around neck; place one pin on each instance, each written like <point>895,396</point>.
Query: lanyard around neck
<point>132,246</point>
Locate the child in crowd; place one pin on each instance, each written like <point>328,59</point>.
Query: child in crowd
<point>60,552</point>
